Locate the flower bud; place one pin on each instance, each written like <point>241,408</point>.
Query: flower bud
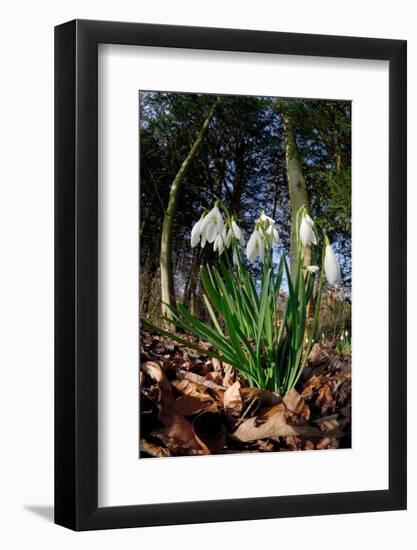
<point>255,247</point>
<point>196,232</point>
<point>218,244</point>
<point>331,265</point>
<point>307,234</point>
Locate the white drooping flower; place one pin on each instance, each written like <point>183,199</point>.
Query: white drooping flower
<point>307,234</point>
<point>235,257</point>
<point>266,219</point>
<point>256,246</point>
<point>238,233</point>
<point>229,237</point>
<point>313,268</point>
<point>196,232</point>
<point>269,227</point>
<point>219,244</point>
<point>273,232</point>
<point>212,225</point>
<point>331,265</point>
<point>234,232</point>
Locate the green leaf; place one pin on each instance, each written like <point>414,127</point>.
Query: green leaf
<point>183,341</point>
<point>264,323</point>
<point>212,315</point>
<point>210,289</point>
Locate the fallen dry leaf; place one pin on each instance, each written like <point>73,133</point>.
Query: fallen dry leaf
<point>328,423</point>
<point>275,425</point>
<point>153,450</point>
<point>327,443</point>
<point>313,383</point>
<point>325,399</point>
<point>264,397</point>
<point>217,366</point>
<point>229,375</point>
<point>190,406</point>
<point>191,389</point>
<point>176,425</point>
<point>309,445</point>
<point>232,400</point>
<point>296,404</point>
<point>317,354</point>
<point>153,369</point>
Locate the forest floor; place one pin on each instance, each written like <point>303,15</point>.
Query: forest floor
<point>193,405</point>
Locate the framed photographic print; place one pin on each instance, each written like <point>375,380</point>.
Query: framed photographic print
<point>230,275</point>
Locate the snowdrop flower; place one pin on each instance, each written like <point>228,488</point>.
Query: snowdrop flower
<point>269,228</point>
<point>234,232</point>
<point>266,219</point>
<point>313,268</point>
<point>238,233</point>
<point>219,244</point>
<point>235,257</point>
<point>309,220</point>
<point>212,225</point>
<point>255,246</point>
<point>331,265</point>
<point>196,232</point>
<point>307,234</point>
<point>272,231</point>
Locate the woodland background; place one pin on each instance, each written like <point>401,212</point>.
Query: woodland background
<point>254,153</point>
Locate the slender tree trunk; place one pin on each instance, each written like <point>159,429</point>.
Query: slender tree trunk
<point>297,190</point>
<point>338,161</point>
<point>192,277</point>
<point>148,277</point>
<point>337,155</point>
<point>167,276</point>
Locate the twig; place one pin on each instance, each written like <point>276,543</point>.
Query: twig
<point>246,411</point>
<point>198,379</point>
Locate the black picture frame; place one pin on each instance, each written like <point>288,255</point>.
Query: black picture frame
<point>76,271</point>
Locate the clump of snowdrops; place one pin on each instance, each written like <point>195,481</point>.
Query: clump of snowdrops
<point>266,337</point>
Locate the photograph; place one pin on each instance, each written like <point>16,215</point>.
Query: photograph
<point>245,274</point>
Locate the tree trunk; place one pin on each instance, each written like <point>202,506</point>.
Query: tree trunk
<point>337,155</point>
<point>167,276</point>
<point>192,280</point>
<point>297,191</point>
<point>147,278</point>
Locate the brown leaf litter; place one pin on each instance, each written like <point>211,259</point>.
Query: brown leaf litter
<point>193,405</point>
